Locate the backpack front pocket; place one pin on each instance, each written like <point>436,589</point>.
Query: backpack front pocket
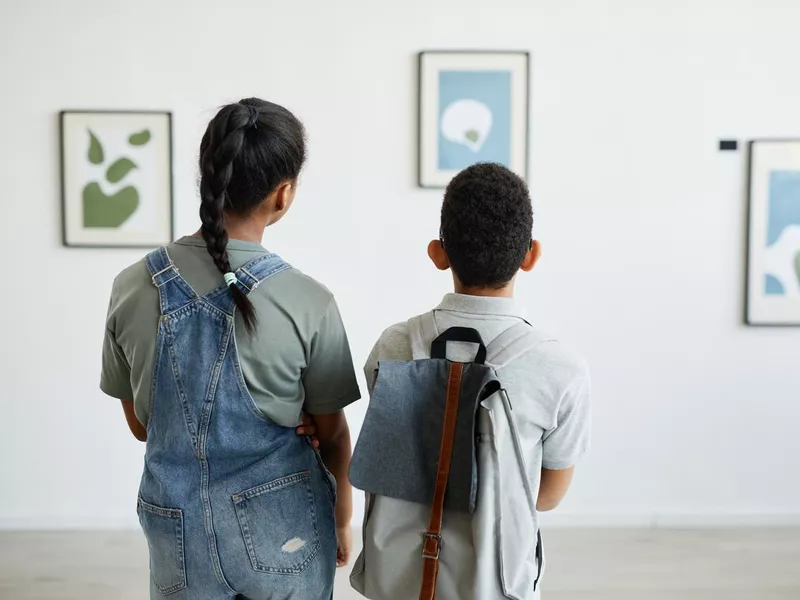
<point>163,528</point>
<point>279,524</point>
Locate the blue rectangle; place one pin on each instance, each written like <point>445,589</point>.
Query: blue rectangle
<point>783,240</point>
<point>474,122</point>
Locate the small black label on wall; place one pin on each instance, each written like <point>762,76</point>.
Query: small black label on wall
<point>728,145</point>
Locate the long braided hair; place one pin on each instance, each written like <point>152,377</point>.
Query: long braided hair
<point>248,150</point>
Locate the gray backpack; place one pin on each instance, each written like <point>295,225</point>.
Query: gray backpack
<point>448,493</point>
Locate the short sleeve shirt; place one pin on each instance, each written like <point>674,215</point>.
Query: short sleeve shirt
<point>297,359</point>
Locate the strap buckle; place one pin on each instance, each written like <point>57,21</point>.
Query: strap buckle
<point>431,553</point>
<point>155,276</point>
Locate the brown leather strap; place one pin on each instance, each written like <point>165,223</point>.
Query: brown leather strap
<point>432,539</point>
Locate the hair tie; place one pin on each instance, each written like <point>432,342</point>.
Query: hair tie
<point>254,114</point>
<point>230,279</point>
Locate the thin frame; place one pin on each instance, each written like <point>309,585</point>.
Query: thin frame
<point>61,115</point>
<point>748,245</point>
<point>420,57</point>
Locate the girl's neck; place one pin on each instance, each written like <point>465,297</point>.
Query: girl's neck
<point>244,229</point>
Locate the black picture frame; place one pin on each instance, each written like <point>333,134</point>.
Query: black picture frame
<point>749,278</point>
<point>420,101</point>
<point>65,240</point>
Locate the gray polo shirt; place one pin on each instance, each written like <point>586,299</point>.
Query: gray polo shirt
<point>549,386</point>
<point>298,358</point>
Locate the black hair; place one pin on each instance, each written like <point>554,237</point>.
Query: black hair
<point>487,220</point>
<point>248,150</point>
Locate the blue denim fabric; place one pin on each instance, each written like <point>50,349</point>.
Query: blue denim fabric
<point>406,410</point>
<point>230,502</point>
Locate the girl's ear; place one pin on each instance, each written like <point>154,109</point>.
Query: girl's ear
<point>284,196</point>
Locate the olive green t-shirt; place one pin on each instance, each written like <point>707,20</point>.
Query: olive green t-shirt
<point>297,359</point>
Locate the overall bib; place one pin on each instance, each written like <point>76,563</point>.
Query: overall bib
<point>232,504</point>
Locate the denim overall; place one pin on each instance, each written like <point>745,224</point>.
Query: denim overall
<point>232,504</point>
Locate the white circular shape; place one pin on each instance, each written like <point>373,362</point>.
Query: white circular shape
<point>467,122</point>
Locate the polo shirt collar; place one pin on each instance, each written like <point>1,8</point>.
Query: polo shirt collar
<point>482,305</point>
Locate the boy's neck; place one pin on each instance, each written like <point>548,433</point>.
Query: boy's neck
<point>507,291</point>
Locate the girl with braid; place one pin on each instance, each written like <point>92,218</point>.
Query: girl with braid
<point>216,347</point>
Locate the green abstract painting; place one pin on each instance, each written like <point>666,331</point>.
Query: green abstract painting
<point>117,178</point>
<point>100,209</point>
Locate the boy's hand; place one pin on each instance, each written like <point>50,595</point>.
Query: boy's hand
<point>308,428</point>
<point>344,538</point>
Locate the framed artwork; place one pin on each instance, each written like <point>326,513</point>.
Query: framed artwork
<point>473,107</point>
<point>773,255</point>
<point>116,178</point>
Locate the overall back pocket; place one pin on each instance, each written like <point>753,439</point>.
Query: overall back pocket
<point>163,528</point>
<point>279,524</point>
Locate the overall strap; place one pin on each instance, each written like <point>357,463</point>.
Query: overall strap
<point>258,270</point>
<point>173,292</point>
<point>513,343</point>
<point>423,331</point>
<point>432,538</point>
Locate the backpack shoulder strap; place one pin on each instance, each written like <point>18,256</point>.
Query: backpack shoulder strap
<point>513,343</point>
<point>422,331</point>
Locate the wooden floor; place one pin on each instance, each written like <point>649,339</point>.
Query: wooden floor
<point>619,564</point>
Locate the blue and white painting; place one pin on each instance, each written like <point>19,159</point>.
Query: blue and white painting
<point>782,252</point>
<point>474,118</point>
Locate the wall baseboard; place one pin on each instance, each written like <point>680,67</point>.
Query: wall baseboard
<point>50,523</point>
<point>671,520</point>
<point>656,520</point>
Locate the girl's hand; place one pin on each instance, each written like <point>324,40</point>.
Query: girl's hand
<point>344,538</point>
<point>308,428</point>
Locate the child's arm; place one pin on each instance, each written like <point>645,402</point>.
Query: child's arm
<point>137,429</point>
<point>564,445</point>
<point>334,446</point>
<point>553,488</point>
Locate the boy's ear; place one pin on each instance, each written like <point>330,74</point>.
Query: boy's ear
<point>532,256</point>
<point>438,255</point>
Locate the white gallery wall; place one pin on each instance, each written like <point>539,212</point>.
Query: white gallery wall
<point>642,221</point>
